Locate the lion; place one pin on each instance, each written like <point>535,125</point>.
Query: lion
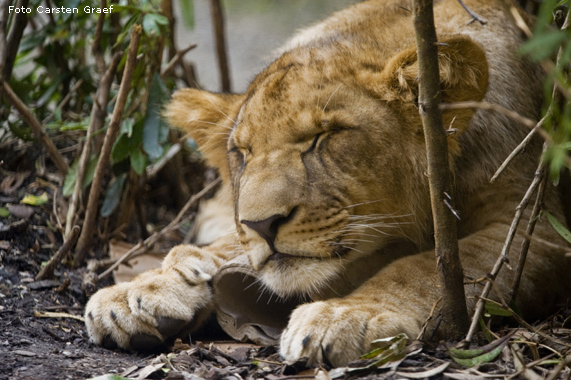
<point>324,156</point>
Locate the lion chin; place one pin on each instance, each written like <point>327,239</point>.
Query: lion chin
<point>324,168</point>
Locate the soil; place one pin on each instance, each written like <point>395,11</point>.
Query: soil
<point>42,335</point>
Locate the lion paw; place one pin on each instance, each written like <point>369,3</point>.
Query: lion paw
<point>150,311</point>
<point>337,331</point>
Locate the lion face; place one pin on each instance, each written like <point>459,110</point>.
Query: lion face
<point>326,163</point>
<point>313,188</point>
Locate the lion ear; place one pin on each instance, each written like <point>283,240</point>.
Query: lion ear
<point>463,71</point>
<point>463,77</point>
<point>208,119</point>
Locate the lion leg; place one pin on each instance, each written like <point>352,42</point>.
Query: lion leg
<point>159,305</point>
<point>400,297</point>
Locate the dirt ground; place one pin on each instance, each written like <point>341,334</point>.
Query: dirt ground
<point>42,335</point>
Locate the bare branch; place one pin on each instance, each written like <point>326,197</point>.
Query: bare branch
<point>503,258</point>
<point>47,271</point>
<point>530,227</point>
<point>218,21</point>
<point>34,123</point>
<point>143,246</point>
<point>475,16</point>
<point>97,119</point>
<point>175,60</point>
<point>110,136</point>
<point>519,148</point>
<point>454,311</point>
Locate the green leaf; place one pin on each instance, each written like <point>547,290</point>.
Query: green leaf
<point>4,213</point>
<point>113,195</point>
<point>138,161</point>
<point>495,309</point>
<point>70,178</point>
<point>153,124</point>
<point>485,354</point>
<point>187,13</point>
<point>152,22</point>
<point>543,45</point>
<point>559,227</point>
<point>387,350</point>
<point>35,200</point>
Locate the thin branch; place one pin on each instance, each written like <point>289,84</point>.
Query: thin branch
<point>475,17</point>
<point>34,123</point>
<point>529,232</point>
<point>157,166</point>
<point>143,246</point>
<point>96,44</point>
<point>13,40</point>
<point>3,30</point>
<point>503,258</point>
<point>520,147</point>
<point>47,271</point>
<point>218,21</point>
<point>64,101</point>
<point>175,60</point>
<point>493,107</point>
<point>110,137</point>
<point>97,119</point>
<point>509,113</point>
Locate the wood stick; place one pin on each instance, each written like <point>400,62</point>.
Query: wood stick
<point>175,60</point>
<point>110,137</point>
<point>453,307</point>
<point>503,258</point>
<point>47,271</point>
<point>97,119</point>
<point>34,123</point>
<point>218,21</point>
<point>143,246</point>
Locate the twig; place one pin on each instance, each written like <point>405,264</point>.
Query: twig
<point>530,227</point>
<point>47,272</point>
<point>157,166</point>
<point>520,147</point>
<point>175,60</point>
<point>218,21</point>
<point>51,314</point>
<point>97,119</point>
<point>523,322</point>
<point>504,254</point>
<point>549,244</point>
<point>13,40</point>
<point>475,17</point>
<point>497,108</point>
<point>110,136</point>
<point>557,370</point>
<point>3,28</point>
<point>64,102</point>
<point>96,44</point>
<point>34,123</point>
<point>143,246</point>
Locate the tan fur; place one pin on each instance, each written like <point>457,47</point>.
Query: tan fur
<point>327,147</point>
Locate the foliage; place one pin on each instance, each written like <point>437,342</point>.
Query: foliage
<point>56,74</point>
<point>548,45</point>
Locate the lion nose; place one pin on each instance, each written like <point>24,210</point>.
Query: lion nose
<point>267,228</point>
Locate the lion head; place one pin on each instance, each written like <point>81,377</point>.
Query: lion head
<point>325,154</point>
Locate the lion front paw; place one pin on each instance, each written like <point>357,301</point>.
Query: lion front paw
<point>338,331</point>
<point>149,312</point>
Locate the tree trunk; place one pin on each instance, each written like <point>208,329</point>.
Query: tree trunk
<point>453,307</point>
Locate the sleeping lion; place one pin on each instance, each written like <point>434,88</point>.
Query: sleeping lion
<point>324,157</point>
